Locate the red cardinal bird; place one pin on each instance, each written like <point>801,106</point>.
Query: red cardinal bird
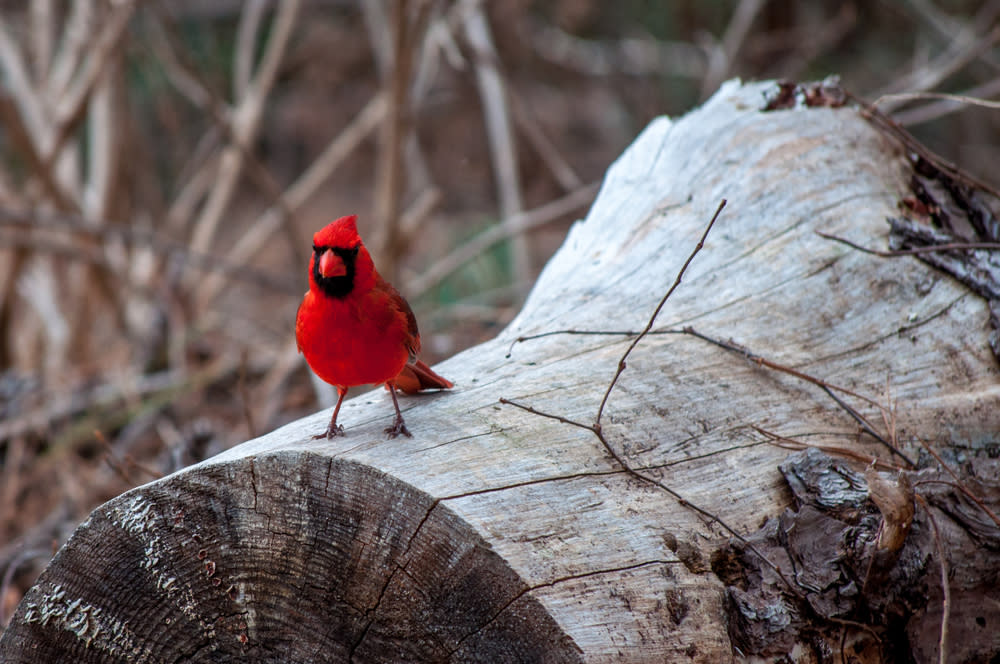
<point>354,328</point>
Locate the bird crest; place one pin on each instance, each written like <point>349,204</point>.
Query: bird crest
<point>340,233</point>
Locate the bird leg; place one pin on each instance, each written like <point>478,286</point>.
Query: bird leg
<point>398,427</point>
<point>334,429</point>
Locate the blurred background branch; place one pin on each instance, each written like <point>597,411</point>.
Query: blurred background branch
<point>164,163</point>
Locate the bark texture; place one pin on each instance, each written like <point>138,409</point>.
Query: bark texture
<point>496,534</point>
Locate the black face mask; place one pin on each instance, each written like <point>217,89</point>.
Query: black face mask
<point>342,285</point>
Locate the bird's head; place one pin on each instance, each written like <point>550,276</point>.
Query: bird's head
<point>340,263</point>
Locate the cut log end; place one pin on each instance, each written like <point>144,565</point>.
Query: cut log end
<point>233,559</point>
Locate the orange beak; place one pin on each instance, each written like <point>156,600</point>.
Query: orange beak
<point>331,265</point>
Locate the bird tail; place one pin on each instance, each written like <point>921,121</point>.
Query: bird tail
<point>418,376</point>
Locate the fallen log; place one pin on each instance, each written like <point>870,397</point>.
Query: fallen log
<point>513,531</point>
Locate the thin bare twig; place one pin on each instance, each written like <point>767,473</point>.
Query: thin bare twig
<point>598,431</point>
<point>73,105</point>
<point>963,99</point>
<point>418,212</point>
<point>121,466</point>
<point>791,443</point>
<point>245,122</point>
<point>643,56</point>
<point>683,502</point>
<point>551,416</point>
<point>829,388</point>
<point>499,130</point>
<point>586,333</point>
<point>890,126</point>
<point>722,54</point>
<point>336,153</point>
<point>948,103</point>
<point>246,45</point>
<point>951,246</point>
<point>390,185</point>
<point>762,361</point>
<point>889,413</point>
<point>519,223</point>
<point>656,312</point>
<point>958,482</point>
<point>965,48</point>
<point>56,223</point>
<point>866,426</point>
<point>544,148</point>
<point>238,154</point>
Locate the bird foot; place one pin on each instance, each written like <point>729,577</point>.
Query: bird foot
<point>331,432</point>
<point>398,427</point>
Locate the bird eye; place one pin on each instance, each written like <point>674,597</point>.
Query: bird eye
<point>317,249</point>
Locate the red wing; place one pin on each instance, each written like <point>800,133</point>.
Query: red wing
<point>416,375</point>
<point>298,344</point>
<point>412,335</point>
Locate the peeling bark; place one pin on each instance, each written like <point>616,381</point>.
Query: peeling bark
<point>846,576</point>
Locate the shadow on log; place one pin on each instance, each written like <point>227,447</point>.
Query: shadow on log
<point>497,535</point>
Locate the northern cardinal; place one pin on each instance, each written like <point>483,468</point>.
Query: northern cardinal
<point>354,328</point>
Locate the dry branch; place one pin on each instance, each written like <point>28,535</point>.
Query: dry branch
<point>499,127</point>
<point>721,56</point>
<point>543,147</point>
<point>245,122</point>
<point>972,41</point>
<point>408,32</point>
<point>308,183</point>
<point>520,223</point>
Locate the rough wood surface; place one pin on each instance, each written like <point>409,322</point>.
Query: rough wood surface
<point>498,535</point>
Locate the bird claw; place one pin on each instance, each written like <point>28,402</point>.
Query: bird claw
<point>398,427</point>
<point>331,432</point>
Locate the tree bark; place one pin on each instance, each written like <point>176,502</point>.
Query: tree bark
<point>496,534</point>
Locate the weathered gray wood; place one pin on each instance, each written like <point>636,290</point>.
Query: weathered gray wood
<point>497,535</point>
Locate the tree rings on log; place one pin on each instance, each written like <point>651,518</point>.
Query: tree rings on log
<point>280,558</point>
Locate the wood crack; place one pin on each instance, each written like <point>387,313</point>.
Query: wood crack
<point>253,482</point>
<point>370,612</point>
<point>889,335</point>
<point>493,429</point>
<point>548,584</point>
